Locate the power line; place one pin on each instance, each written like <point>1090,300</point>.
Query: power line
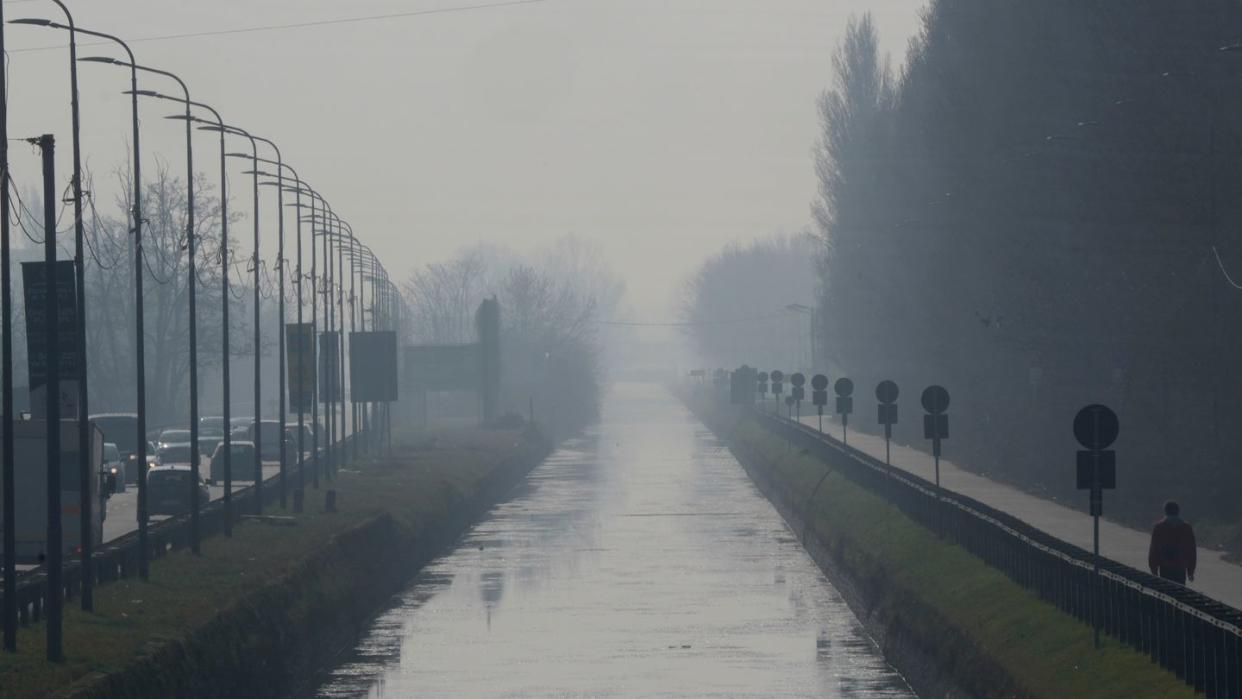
<point>299,25</point>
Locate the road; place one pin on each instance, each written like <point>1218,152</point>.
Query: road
<point>637,560</point>
<point>1215,576</point>
<point>121,515</point>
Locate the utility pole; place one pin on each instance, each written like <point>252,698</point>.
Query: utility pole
<point>55,537</point>
<point>6,358</point>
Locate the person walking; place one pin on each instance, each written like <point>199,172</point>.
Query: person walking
<point>1172,552</point>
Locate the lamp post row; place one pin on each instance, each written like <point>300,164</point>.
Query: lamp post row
<point>320,212</point>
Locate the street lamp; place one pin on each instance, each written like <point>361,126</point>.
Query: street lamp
<point>280,284</point>
<point>303,189</point>
<point>9,522</point>
<point>258,407</point>
<point>192,275</point>
<point>84,467</point>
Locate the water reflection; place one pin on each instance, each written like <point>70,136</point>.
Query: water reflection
<point>638,560</point>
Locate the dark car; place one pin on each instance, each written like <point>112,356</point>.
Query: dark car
<point>271,434</point>
<point>243,462</point>
<point>168,490</point>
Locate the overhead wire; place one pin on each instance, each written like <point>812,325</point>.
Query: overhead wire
<point>300,25</point>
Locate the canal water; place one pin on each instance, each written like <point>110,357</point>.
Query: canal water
<point>638,560</point>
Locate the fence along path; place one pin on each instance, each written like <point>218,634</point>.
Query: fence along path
<point>1215,577</point>
<point>1195,636</point>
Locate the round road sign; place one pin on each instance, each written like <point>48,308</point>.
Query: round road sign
<point>935,399</point>
<point>797,379</point>
<point>886,392</point>
<point>777,376</point>
<point>1096,427</point>
<point>843,387</point>
<point>762,377</point>
<point>819,382</point>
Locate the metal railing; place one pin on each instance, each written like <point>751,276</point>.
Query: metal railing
<point>1190,634</point>
<point>118,558</point>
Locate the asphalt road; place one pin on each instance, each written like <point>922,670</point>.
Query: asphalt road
<point>121,513</point>
<point>1215,576</point>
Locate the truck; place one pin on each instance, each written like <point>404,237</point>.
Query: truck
<point>30,476</point>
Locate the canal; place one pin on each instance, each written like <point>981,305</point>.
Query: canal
<point>638,560</point>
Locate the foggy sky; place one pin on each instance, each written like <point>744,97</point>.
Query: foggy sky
<point>662,128</point>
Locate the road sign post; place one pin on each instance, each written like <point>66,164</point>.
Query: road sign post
<point>819,396</point>
<point>777,377</point>
<point>761,385</point>
<point>936,428</point>
<point>844,389</point>
<point>886,392</point>
<point>1096,428</point>
<point>798,381</point>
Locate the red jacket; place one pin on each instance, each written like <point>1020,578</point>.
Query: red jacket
<point>1173,545</point>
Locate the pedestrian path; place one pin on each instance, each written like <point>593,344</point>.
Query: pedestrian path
<point>1214,576</point>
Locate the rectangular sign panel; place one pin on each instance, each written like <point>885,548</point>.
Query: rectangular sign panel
<point>373,366</point>
<point>35,288</point>
<point>329,367</point>
<point>300,360</point>
<point>443,367</point>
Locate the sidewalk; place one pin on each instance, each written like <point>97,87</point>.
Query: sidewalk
<point>1214,576</point>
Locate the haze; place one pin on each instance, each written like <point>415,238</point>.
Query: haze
<point>661,129</point>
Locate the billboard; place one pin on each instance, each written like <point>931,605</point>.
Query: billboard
<point>373,366</point>
<point>300,363</point>
<point>35,290</point>
<point>329,367</point>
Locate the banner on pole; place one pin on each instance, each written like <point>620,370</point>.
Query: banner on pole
<point>373,366</point>
<point>35,290</point>
<point>329,367</point>
<point>300,361</point>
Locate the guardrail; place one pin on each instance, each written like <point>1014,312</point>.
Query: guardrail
<point>1194,636</point>
<point>117,559</point>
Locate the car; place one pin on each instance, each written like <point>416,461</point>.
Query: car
<point>131,463</point>
<point>243,462</point>
<point>207,443</point>
<point>271,435</point>
<point>308,437</point>
<point>173,454</point>
<point>121,429</point>
<point>114,466</point>
<point>173,436</point>
<point>211,425</point>
<point>168,489</point>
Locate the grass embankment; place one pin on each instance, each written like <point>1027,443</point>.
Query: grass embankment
<point>282,576</point>
<point>965,618</point>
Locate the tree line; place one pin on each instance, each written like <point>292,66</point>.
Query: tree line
<point>1038,210</point>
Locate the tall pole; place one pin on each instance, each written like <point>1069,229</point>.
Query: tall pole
<point>85,504</point>
<point>316,457</point>
<point>190,235</point>
<point>54,544</point>
<point>329,411</point>
<point>224,354</point>
<point>340,270</point>
<point>280,295</point>
<point>6,380</point>
<point>258,406</point>
<point>301,363</point>
<point>340,340</point>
